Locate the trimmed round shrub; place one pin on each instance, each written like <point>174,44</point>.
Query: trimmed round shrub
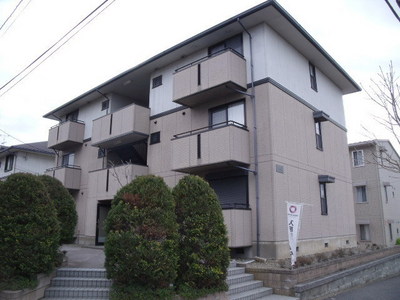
<point>141,244</point>
<point>65,205</point>
<point>203,243</point>
<point>29,229</point>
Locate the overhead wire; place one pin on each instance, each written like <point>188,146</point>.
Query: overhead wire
<point>17,139</point>
<point>54,45</point>
<point>19,3</point>
<point>16,17</point>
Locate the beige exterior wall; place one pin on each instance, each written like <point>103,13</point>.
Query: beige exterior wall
<point>66,134</point>
<point>379,211</point>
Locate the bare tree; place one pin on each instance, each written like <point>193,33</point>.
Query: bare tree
<point>384,91</point>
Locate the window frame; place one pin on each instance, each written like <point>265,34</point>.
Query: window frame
<point>363,189</point>
<point>357,161</point>
<point>105,105</point>
<point>318,136</point>
<point>225,107</point>
<point>365,235</point>
<point>313,76</point>
<point>155,138</point>
<point>323,198</point>
<point>157,81</point>
<point>9,163</point>
<point>72,116</point>
<point>224,45</point>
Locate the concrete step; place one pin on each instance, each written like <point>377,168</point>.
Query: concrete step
<point>74,292</point>
<point>81,282</point>
<point>278,297</point>
<point>234,279</point>
<point>244,287</point>
<point>81,273</point>
<point>256,293</point>
<point>236,271</point>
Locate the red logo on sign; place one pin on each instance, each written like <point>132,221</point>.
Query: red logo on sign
<point>292,209</point>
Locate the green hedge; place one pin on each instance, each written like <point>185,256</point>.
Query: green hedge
<point>65,205</point>
<point>29,229</point>
<point>203,243</point>
<point>141,244</point>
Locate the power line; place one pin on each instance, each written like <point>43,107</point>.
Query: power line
<point>33,147</point>
<point>392,9</point>
<point>20,12</point>
<point>51,47</point>
<point>11,14</point>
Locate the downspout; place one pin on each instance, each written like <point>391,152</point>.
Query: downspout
<point>255,144</point>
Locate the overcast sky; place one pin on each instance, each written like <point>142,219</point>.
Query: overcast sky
<point>360,35</point>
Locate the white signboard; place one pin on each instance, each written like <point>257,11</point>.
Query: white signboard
<point>293,213</point>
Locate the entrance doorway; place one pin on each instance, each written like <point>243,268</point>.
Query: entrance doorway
<point>103,207</point>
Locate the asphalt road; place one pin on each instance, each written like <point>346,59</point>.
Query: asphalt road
<point>388,289</point>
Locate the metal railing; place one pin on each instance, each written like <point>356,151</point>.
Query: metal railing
<point>65,121</point>
<point>62,167</point>
<point>204,58</point>
<point>210,127</point>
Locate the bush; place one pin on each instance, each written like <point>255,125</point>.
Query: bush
<point>29,229</point>
<point>65,205</point>
<point>398,241</point>
<point>141,244</point>
<point>203,250</point>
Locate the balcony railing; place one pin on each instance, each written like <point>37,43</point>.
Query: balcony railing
<point>66,134</point>
<point>127,125</point>
<point>104,183</point>
<point>221,145</point>
<point>69,175</point>
<point>211,77</point>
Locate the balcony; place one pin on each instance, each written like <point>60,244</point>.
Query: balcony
<point>209,78</point>
<point>211,148</point>
<point>238,224</point>
<point>124,126</point>
<point>104,183</point>
<point>66,134</point>
<point>70,176</point>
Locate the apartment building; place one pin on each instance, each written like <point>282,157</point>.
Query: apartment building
<point>32,158</point>
<point>376,188</point>
<point>253,105</point>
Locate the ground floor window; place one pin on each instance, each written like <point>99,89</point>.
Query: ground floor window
<point>364,232</point>
<point>231,189</point>
<point>324,201</point>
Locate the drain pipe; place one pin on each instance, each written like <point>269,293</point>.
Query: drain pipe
<point>255,144</point>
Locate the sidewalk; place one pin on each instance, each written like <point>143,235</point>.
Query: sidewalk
<point>79,256</point>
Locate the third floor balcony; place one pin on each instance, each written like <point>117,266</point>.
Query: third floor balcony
<point>211,77</point>
<point>66,134</point>
<point>127,125</point>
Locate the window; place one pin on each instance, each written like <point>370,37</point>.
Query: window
<point>105,105</point>
<point>361,192</point>
<point>155,138</point>
<point>313,77</point>
<point>9,163</point>
<point>222,115</point>
<point>364,232</point>
<point>68,160</point>
<point>101,153</point>
<point>358,158</point>
<point>390,232</point>
<point>231,188</point>
<point>157,81</point>
<point>72,116</point>
<point>318,135</point>
<point>324,202</point>
<point>235,43</point>
<point>386,193</point>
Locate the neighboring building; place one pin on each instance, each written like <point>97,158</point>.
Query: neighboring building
<point>32,158</point>
<point>376,186</point>
<point>192,109</point>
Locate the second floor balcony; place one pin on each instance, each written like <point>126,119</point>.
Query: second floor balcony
<point>212,77</point>
<point>127,125</point>
<point>70,176</point>
<point>104,183</point>
<point>66,134</point>
<point>205,149</point>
